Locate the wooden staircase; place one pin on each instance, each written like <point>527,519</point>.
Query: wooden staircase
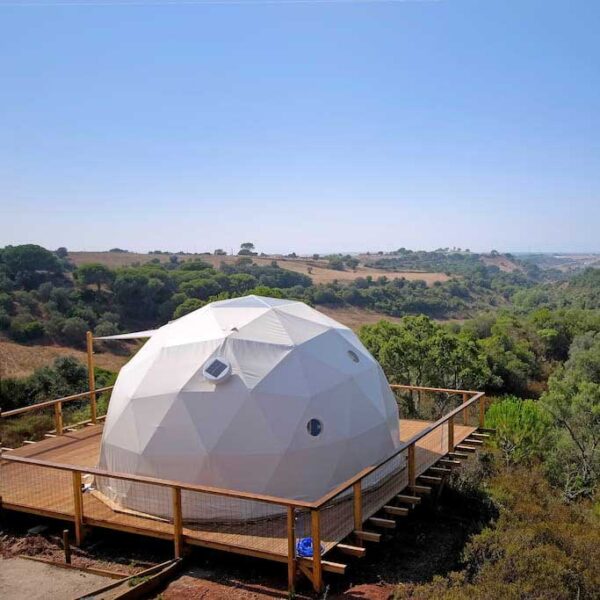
<point>401,505</point>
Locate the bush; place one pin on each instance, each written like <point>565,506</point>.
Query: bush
<point>74,330</point>
<point>26,329</point>
<point>522,428</point>
<point>188,306</point>
<point>106,328</point>
<point>539,548</point>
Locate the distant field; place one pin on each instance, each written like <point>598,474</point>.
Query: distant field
<point>320,274</point>
<point>17,360</point>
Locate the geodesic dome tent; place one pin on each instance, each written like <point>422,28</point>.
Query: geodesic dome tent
<point>252,394</point>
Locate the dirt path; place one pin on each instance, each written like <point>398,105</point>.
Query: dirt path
<point>22,579</point>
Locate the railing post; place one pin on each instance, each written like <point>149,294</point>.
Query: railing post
<point>77,507</point>
<point>177,522</point>
<point>482,411</point>
<point>91,378</point>
<point>465,412</point>
<point>291,540</point>
<point>358,509</point>
<point>451,434</point>
<point>58,418</point>
<point>412,476</point>
<point>315,529</point>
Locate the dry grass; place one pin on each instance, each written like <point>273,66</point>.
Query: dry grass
<point>319,271</point>
<point>503,263</point>
<point>17,360</point>
<point>355,317</point>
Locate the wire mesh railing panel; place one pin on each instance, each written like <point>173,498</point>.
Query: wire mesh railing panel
<point>430,448</point>
<point>380,486</point>
<point>251,524</point>
<point>128,497</point>
<point>337,519</point>
<point>36,487</point>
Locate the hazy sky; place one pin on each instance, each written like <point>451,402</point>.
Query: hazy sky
<point>301,126</point>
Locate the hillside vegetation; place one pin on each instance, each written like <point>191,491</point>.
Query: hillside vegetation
<point>44,296</point>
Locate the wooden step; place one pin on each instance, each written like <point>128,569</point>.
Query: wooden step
<point>408,499</point>
<point>28,442</point>
<point>384,523</point>
<point>421,489</point>
<point>440,470</point>
<point>356,551</point>
<point>480,436</point>
<point>430,479</point>
<point>367,536</point>
<point>449,462</point>
<point>50,435</point>
<point>462,448</point>
<point>472,442</point>
<point>457,455</point>
<point>397,511</point>
<point>326,565</point>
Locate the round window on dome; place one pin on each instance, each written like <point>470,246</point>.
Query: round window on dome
<point>353,356</point>
<point>314,427</point>
<point>217,369</point>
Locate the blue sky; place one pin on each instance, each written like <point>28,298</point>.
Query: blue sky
<point>306,127</point>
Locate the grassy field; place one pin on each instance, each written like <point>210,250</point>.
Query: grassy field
<point>319,271</point>
<point>17,360</point>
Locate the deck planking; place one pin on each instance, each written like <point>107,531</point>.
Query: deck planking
<point>49,492</point>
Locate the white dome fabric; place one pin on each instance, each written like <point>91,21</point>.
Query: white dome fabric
<point>304,408</point>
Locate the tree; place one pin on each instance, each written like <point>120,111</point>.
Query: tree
<point>29,265</point>
<point>420,352</point>
<point>247,249</point>
<point>219,252</point>
<point>573,402</point>
<point>62,252</point>
<point>94,274</point>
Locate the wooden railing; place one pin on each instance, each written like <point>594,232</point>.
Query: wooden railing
<point>58,408</point>
<point>289,506</point>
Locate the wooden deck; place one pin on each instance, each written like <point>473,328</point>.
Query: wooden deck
<point>49,492</point>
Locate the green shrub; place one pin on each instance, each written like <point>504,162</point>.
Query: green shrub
<point>24,328</point>
<point>74,330</point>
<point>522,428</point>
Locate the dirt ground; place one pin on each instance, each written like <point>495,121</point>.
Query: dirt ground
<point>22,579</point>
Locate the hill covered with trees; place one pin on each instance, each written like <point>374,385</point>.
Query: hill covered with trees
<point>43,296</point>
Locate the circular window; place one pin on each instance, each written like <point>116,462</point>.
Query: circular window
<point>314,427</point>
<point>216,369</point>
<point>353,355</point>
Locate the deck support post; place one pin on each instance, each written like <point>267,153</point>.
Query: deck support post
<point>412,476</point>
<point>315,529</point>
<point>358,508</point>
<point>77,507</point>
<point>482,411</point>
<point>67,546</point>
<point>465,411</point>
<point>451,434</point>
<point>177,522</point>
<point>291,540</point>
<point>89,338</point>
<point>58,418</point>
